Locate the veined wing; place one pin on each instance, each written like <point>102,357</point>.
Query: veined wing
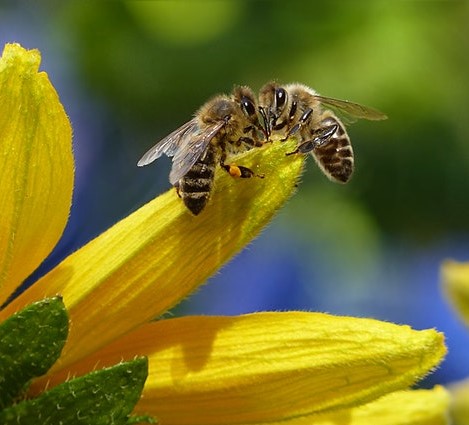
<point>351,111</point>
<point>195,147</point>
<point>170,144</point>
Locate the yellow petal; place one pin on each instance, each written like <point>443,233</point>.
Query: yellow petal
<point>36,166</point>
<point>460,402</point>
<point>267,367</point>
<point>422,407</point>
<point>456,286</point>
<point>150,260</point>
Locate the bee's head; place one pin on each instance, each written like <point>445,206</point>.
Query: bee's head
<point>245,99</point>
<point>220,108</point>
<point>273,100</point>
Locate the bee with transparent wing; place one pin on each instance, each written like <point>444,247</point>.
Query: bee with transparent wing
<point>297,110</point>
<point>222,126</point>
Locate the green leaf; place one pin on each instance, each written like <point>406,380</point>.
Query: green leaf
<point>104,397</point>
<point>30,343</point>
<point>138,420</point>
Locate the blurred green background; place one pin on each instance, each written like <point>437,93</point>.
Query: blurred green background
<point>128,73</point>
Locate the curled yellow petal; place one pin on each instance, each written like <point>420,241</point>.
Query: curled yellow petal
<point>150,260</point>
<point>456,286</point>
<point>36,166</point>
<point>267,367</point>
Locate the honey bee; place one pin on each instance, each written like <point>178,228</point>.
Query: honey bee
<point>297,110</point>
<point>222,126</point>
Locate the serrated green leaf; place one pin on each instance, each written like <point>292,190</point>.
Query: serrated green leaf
<point>104,397</point>
<point>30,343</point>
<point>138,420</point>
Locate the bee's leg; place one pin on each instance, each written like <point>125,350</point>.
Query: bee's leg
<point>278,126</point>
<point>301,122</point>
<point>238,171</point>
<point>254,130</point>
<point>250,142</point>
<point>176,186</point>
<point>323,137</point>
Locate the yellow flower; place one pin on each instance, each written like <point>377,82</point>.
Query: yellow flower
<point>460,402</point>
<point>257,368</point>
<point>422,407</point>
<point>36,166</point>
<point>456,286</point>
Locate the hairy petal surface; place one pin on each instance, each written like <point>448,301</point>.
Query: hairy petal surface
<point>267,367</point>
<point>421,407</point>
<point>156,256</point>
<point>36,166</point>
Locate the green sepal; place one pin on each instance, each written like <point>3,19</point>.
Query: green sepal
<point>30,343</point>
<point>103,397</point>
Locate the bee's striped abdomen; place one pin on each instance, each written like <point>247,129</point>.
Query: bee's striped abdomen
<point>335,158</point>
<point>195,187</point>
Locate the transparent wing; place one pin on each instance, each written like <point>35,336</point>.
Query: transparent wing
<point>196,145</point>
<point>170,144</point>
<point>351,111</point>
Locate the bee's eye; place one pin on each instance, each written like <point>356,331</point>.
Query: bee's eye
<point>280,98</point>
<point>248,106</point>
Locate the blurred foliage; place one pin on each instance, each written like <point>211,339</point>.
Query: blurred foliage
<point>155,62</point>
